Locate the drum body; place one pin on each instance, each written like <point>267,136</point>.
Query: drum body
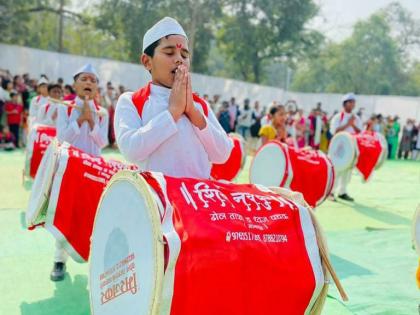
<point>306,171</point>
<point>372,152</point>
<point>39,139</point>
<point>66,193</point>
<point>235,163</point>
<point>343,151</point>
<point>366,151</point>
<point>182,246</point>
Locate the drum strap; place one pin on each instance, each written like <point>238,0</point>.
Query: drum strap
<point>341,116</point>
<point>140,97</point>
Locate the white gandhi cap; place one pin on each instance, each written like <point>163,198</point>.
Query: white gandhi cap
<point>87,68</point>
<point>166,26</point>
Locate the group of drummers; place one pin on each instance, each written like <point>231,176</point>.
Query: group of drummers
<point>163,126</point>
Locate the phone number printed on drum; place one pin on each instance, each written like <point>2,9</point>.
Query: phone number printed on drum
<point>249,236</point>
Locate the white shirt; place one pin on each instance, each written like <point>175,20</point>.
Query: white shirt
<point>36,103</point>
<point>341,119</point>
<point>155,142</point>
<point>83,138</point>
<point>245,118</point>
<point>46,117</point>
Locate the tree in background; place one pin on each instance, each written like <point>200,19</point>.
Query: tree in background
<point>254,32</point>
<point>374,60</point>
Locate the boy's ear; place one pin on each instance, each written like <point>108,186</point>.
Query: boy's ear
<point>146,61</point>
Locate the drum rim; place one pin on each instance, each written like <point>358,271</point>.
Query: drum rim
<point>384,152</point>
<point>46,185</point>
<point>287,177</point>
<point>152,209</point>
<point>355,151</point>
<point>330,170</point>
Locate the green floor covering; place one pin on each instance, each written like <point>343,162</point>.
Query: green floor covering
<point>369,241</point>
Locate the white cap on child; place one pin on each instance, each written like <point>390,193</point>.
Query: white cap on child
<point>42,81</point>
<point>87,68</point>
<point>166,26</point>
<point>348,97</point>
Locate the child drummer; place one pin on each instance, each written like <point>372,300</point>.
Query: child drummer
<point>164,127</point>
<point>84,129</point>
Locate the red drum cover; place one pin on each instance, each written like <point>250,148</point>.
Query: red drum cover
<point>243,251</point>
<point>370,149</point>
<point>231,168</point>
<point>40,138</point>
<point>311,174</point>
<point>77,187</point>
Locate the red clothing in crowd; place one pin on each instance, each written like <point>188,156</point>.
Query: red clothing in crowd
<point>14,113</point>
<point>69,97</point>
<point>7,137</point>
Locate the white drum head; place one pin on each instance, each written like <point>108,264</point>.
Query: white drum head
<point>126,262</point>
<point>269,166</point>
<point>41,188</point>
<point>384,153</point>
<point>342,151</point>
<point>415,230</point>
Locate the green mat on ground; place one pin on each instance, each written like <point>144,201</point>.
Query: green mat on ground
<point>369,241</point>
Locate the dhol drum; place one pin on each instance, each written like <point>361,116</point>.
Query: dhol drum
<point>231,168</point>
<point>181,246</point>
<point>41,188</point>
<point>306,171</point>
<point>366,151</point>
<point>69,191</point>
<point>343,151</point>
<point>39,139</point>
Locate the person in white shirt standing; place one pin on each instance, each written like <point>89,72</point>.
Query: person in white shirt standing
<point>47,113</point>
<point>345,121</point>
<point>163,126</point>
<point>38,101</point>
<point>84,128</point>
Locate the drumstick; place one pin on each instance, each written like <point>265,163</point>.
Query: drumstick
<point>100,112</point>
<point>331,270</point>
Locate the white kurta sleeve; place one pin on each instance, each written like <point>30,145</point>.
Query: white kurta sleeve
<point>33,107</point>
<point>99,133</point>
<point>136,140</point>
<point>335,121</point>
<point>214,139</point>
<point>66,130</point>
<point>41,114</point>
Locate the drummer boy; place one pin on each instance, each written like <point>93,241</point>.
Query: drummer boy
<point>164,127</point>
<point>84,129</point>
<point>345,121</point>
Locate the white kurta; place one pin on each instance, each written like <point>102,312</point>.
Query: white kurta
<point>337,122</point>
<point>83,138</point>
<point>155,142</point>
<point>46,117</point>
<point>343,178</point>
<point>34,107</point>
